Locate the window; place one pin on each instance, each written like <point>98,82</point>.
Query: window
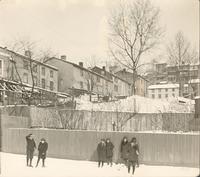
<point>159,96</point>
<point>51,73</point>
<point>166,95</point>
<point>35,68</point>
<point>98,79</point>
<point>115,79</point>
<point>43,83</point>
<point>35,80</point>
<point>25,64</point>
<point>173,89</point>
<point>116,88</point>
<point>153,91</point>
<point>81,72</point>
<point>1,67</point>
<point>173,94</point>
<point>153,96</point>
<point>61,83</point>
<point>81,84</point>
<point>166,90</point>
<point>106,85</point>
<point>159,90</point>
<point>43,71</point>
<point>25,78</point>
<point>51,85</point>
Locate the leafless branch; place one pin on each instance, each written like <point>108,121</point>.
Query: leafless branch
<point>135,30</point>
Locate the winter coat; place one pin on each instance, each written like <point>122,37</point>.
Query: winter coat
<point>124,150</point>
<point>109,149</point>
<point>101,150</point>
<point>42,149</point>
<point>132,152</point>
<point>30,144</point>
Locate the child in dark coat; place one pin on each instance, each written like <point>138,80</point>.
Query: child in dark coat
<point>109,151</point>
<point>101,150</point>
<point>42,149</point>
<point>133,152</point>
<point>124,150</point>
<point>30,148</point>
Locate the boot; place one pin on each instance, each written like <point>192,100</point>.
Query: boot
<point>43,165</point>
<point>27,162</point>
<point>31,163</point>
<point>133,170</point>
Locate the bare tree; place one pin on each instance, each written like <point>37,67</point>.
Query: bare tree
<point>34,57</point>
<point>180,51</point>
<point>90,83</point>
<point>135,31</point>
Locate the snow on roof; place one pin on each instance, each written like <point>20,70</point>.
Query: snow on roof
<point>194,81</point>
<point>197,97</point>
<point>160,86</point>
<point>4,54</point>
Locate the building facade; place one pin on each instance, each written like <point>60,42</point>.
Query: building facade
<point>182,75</point>
<point>140,84</point>
<point>26,72</point>
<point>163,91</point>
<point>76,79</point>
<point>120,87</point>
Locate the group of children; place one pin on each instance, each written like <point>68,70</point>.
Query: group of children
<point>30,148</point>
<point>129,153</point>
<point>105,152</point>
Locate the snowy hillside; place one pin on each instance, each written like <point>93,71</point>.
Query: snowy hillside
<point>140,105</point>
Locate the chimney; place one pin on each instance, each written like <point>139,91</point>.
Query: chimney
<point>103,72</point>
<point>63,57</point>
<point>81,64</point>
<point>27,53</point>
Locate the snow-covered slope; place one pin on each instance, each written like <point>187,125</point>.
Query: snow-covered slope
<point>140,105</point>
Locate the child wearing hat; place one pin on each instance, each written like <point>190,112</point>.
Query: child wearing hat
<point>101,150</point>
<point>42,149</point>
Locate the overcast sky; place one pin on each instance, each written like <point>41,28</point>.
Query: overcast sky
<point>78,29</point>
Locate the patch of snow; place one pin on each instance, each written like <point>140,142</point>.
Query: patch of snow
<point>159,86</point>
<point>13,165</point>
<point>140,105</point>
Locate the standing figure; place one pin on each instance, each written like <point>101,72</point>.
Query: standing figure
<point>30,147</point>
<point>133,152</point>
<point>101,150</point>
<point>42,149</point>
<point>124,150</point>
<point>136,143</point>
<point>109,151</point>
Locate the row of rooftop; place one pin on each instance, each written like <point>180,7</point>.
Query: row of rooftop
<point>61,76</point>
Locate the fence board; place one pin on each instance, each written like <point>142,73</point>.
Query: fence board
<point>155,148</point>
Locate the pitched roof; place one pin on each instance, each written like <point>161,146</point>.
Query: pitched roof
<point>27,58</point>
<point>162,86</point>
<point>111,74</point>
<point>80,67</point>
<point>130,74</point>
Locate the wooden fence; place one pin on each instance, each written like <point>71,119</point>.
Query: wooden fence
<point>108,121</point>
<point>155,148</point>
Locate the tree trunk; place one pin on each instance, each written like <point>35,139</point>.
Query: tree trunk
<point>133,89</point>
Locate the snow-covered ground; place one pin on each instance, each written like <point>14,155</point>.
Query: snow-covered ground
<point>139,104</point>
<point>13,165</point>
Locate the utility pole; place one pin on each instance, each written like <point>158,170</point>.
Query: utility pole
<point>199,54</point>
